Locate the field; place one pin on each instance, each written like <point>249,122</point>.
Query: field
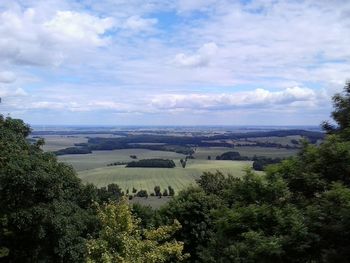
<point>58,142</point>
<point>147,178</point>
<point>286,140</point>
<point>99,159</point>
<point>93,168</point>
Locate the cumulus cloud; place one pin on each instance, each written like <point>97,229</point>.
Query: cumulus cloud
<point>198,54</point>
<point>259,98</point>
<point>201,58</point>
<point>27,37</point>
<point>80,28</point>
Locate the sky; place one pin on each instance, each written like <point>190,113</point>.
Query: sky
<point>172,62</point>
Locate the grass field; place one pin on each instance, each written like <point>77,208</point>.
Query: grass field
<point>147,178</point>
<point>99,159</point>
<point>93,167</point>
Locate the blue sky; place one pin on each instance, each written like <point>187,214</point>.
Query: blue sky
<point>162,62</point>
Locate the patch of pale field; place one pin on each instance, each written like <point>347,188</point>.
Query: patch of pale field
<point>58,142</point>
<point>147,178</point>
<point>203,152</point>
<point>272,152</point>
<point>286,140</point>
<point>98,159</point>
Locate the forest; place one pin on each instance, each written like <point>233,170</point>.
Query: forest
<point>298,210</point>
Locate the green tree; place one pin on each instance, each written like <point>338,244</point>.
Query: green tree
<point>192,208</point>
<point>341,113</point>
<point>157,190</point>
<point>171,191</point>
<point>121,239</point>
<point>45,211</point>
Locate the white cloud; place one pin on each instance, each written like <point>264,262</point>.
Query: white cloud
<point>7,77</point>
<point>259,98</point>
<point>197,55</point>
<point>79,28</point>
<point>136,23</point>
<point>30,38</point>
<point>201,58</point>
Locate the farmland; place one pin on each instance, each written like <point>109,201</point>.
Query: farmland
<point>111,149</point>
<point>177,177</point>
<point>99,159</point>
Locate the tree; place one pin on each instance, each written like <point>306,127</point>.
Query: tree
<point>121,239</point>
<point>341,113</point>
<point>171,191</point>
<point>157,190</point>
<point>191,208</point>
<point>45,211</point>
<point>142,193</point>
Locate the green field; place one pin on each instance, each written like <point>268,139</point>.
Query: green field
<point>93,167</point>
<point>147,178</point>
<point>99,159</point>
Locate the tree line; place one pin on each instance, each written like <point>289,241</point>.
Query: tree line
<point>185,144</point>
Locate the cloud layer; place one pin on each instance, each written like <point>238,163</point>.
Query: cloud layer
<point>102,59</point>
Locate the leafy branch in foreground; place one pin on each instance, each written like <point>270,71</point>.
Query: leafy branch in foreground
<point>122,239</point>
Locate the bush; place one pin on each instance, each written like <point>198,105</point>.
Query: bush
<point>142,193</point>
<point>171,191</point>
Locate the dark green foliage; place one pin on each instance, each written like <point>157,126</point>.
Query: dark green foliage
<point>117,163</point>
<point>341,113</point>
<point>142,193</point>
<point>231,156</point>
<point>165,192</point>
<point>171,191</point>
<point>147,215</point>
<point>183,162</point>
<point>259,163</point>
<point>73,150</point>
<point>192,209</point>
<point>154,163</point>
<point>110,193</point>
<point>157,190</point>
<point>185,144</point>
<point>45,211</point>
<point>293,141</point>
